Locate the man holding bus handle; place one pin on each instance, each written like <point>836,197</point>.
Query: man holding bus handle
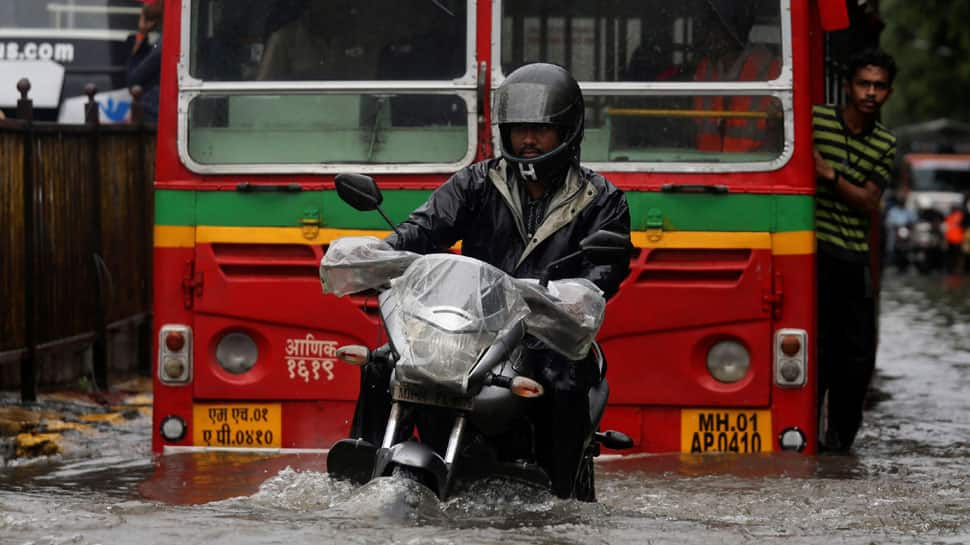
<point>854,156</point>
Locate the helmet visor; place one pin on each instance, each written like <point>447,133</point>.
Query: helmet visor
<point>528,102</point>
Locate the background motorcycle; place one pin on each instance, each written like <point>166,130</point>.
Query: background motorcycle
<point>456,328</point>
<point>926,246</point>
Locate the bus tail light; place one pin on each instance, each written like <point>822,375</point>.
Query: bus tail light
<point>791,357</point>
<point>175,354</point>
<point>728,361</point>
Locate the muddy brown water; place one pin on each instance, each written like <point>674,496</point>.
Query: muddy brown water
<point>906,482</point>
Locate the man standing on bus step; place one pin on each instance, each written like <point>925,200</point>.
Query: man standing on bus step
<point>520,213</point>
<point>854,156</point>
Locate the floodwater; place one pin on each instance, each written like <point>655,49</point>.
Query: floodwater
<point>906,482</point>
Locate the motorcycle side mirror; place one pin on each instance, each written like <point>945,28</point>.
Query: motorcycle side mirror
<point>362,193</point>
<point>601,248</point>
<point>359,191</point>
<point>606,247</point>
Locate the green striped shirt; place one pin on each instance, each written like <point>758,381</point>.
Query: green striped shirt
<point>842,231</point>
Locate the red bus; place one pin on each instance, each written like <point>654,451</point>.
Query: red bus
<point>710,341</point>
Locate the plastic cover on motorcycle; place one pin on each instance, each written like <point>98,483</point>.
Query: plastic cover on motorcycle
<point>566,315</point>
<point>355,264</point>
<point>453,308</point>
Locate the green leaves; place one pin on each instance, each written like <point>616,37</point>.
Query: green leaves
<point>932,48</point>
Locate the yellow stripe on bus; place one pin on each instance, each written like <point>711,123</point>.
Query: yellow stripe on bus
<point>174,236</point>
<point>280,235</point>
<point>793,243</point>
<point>787,243</point>
<point>168,236</point>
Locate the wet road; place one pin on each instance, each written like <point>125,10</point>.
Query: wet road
<point>907,481</point>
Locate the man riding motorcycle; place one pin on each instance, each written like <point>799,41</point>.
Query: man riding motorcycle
<point>520,213</point>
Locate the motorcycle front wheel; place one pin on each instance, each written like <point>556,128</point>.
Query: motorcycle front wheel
<point>412,474</point>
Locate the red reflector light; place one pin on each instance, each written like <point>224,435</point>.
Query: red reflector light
<point>175,341</point>
<point>790,345</point>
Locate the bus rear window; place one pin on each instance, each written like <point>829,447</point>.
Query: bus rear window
<point>688,129</point>
<point>328,40</point>
<point>654,75</point>
<point>328,128</point>
<point>632,40</point>
<point>942,179</point>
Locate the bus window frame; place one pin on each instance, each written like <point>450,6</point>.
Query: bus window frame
<point>189,88</point>
<point>782,88</point>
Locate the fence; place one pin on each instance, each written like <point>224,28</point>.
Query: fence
<point>75,274</point>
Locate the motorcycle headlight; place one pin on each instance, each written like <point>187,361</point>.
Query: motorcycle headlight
<point>439,355</point>
<point>438,344</point>
<point>430,345</point>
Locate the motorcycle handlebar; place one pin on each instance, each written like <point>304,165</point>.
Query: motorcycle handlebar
<point>495,354</point>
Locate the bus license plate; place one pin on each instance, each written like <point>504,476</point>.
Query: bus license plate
<point>715,430</point>
<point>237,425</point>
<point>412,394</point>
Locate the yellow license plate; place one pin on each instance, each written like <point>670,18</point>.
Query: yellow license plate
<point>237,425</point>
<point>719,430</point>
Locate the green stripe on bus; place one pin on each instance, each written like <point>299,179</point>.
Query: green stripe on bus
<point>277,209</point>
<point>681,212</point>
<point>704,212</point>
<point>175,207</point>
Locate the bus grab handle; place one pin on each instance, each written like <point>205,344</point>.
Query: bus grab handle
<point>694,188</point>
<point>247,187</point>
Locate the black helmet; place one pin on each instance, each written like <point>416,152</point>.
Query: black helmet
<point>547,94</point>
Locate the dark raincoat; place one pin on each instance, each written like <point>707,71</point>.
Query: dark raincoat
<point>481,207</point>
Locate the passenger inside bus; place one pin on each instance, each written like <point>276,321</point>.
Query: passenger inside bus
<point>324,41</point>
<point>655,59</point>
<point>431,50</point>
<point>728,54</point>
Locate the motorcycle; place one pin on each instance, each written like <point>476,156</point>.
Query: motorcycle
<point>925,245</point>
<point>458,329</point>
<point>901,246</point>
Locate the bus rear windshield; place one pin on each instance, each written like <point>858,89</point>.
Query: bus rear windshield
<point>328,40</point>
<point>940,179</point>
<point>636,41</point>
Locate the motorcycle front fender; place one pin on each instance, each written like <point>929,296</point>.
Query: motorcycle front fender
<point>416,455</point>
<point>352,459</point>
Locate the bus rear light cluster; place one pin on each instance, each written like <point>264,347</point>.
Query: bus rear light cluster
<point>791,357</point>
<point>175,354</point>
